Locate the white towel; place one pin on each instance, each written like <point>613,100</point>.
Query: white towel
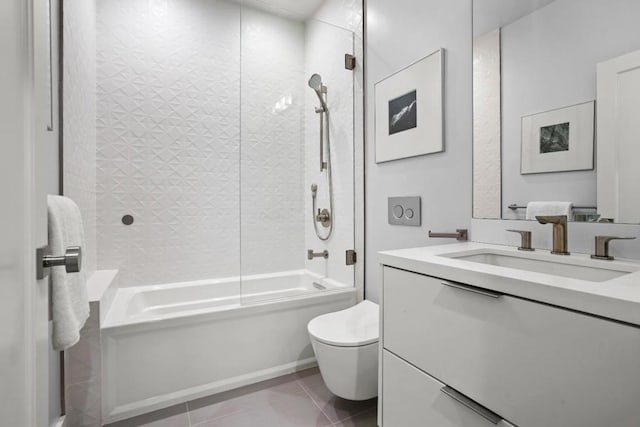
<point>69,300</point>
<point>549,208</point>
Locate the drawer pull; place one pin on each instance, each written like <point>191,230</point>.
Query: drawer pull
<point>474,289</point>
<point>490,416</point>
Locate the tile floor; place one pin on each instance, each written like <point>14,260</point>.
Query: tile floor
<point>296,400</point>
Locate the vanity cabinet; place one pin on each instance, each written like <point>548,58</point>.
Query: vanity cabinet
<point>413,398</point>
<point>533,364</point>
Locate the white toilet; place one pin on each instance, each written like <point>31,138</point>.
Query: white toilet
<point>346,347</point>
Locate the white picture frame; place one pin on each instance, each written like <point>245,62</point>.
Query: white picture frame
<point>560,140</point>
<point>409,118</point>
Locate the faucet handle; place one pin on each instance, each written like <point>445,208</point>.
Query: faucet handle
<point>602,247</point>
<point>525,242</point>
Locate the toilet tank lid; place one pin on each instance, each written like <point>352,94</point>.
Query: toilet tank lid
<point>355,326</point>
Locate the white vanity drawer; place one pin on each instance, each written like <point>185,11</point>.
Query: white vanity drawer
<point>536,365</point>
<point>413,399</point>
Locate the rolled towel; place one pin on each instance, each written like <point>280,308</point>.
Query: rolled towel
<point>549,208</point>
<point>69,300</point>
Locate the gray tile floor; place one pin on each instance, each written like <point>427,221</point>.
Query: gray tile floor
<point>296,400</point>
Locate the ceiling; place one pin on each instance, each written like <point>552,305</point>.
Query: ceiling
<point>300,10</point>
<point>489,15</point>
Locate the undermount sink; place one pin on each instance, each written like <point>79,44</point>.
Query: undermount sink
<point>543,264</point>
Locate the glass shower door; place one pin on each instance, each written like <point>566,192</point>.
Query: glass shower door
<point>280,157</point>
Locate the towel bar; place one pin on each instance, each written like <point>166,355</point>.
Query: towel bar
<point>514,207</point>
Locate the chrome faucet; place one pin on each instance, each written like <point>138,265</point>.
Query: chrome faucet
<point>559,232</point>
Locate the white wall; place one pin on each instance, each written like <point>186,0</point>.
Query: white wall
<point>549,61</point>
<point>398,34</point>
<point>79,115</point>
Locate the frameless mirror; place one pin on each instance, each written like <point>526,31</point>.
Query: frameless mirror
<point>556,104</point>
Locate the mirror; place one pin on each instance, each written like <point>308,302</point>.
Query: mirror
<point>556,103</point>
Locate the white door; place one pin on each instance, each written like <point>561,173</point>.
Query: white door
<point>23,299</point>
<point>619,138</point>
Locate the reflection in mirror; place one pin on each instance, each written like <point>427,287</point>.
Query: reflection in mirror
<point>550,78</point>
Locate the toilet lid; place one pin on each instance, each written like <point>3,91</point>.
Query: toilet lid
<point>355,326</point>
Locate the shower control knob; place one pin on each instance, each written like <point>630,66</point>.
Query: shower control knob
<point>324,217</point>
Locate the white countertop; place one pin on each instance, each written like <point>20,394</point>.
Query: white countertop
<point>617,299</point>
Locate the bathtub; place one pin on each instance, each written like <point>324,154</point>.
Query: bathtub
<point>172,343</point>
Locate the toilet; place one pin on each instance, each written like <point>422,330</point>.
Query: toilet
<point>346,347</point>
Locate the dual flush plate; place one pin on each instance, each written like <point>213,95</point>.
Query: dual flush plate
<point>404,211</point>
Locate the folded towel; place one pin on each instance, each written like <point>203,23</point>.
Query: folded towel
<point>69,300</point>
<point>549,208</point>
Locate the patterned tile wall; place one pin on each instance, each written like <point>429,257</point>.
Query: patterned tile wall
<point>171,115</point>
<point>168,139</point>
<point>272,149</point>
<point>79,106</point>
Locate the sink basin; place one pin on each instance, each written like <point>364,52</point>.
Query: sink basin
<point>542,264</point>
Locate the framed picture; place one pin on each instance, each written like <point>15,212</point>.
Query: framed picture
<point>559,140</point>
<point>408,110</point>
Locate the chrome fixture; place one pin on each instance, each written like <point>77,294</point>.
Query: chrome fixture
<point>472,289</point>
<point>514,207</point>
<point>461,234</point>
<point>351,257</point>
<point>311,255</point>
<point>602,247</point>
<point>525,242</point>
<point>559,232</point>
<point>349,62</point>
<point>485,413</point>
<point>315,83</point>
<point>71,261</point>
<point>404,211</point>
<point>326,217</point>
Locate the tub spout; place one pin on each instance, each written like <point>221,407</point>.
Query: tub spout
<point>311,255</point>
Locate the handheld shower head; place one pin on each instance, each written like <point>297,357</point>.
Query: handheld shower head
<point>314,190</point>
<point>315,83</point>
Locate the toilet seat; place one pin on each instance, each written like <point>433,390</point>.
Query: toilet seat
<point>354,327</point>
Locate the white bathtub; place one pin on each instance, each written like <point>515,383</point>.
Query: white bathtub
<point>172,343</point>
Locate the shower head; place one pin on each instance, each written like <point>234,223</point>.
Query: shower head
<point>315,83</point>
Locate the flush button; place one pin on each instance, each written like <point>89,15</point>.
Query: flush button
<point>404,211</point>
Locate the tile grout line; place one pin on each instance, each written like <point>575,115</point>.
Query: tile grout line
<point>315,403</point>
